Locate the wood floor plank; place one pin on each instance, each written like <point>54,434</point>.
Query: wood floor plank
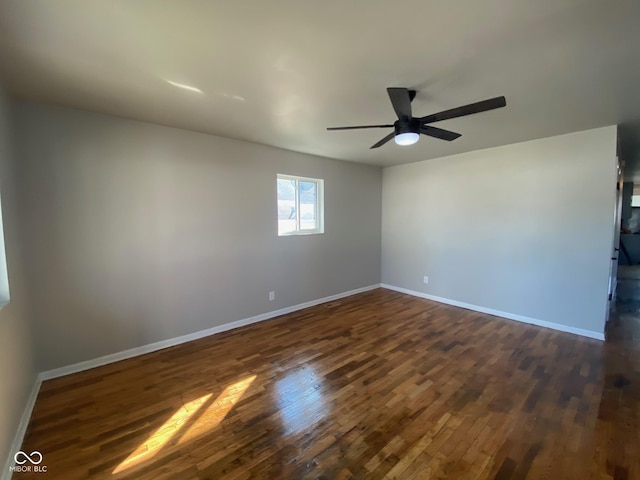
<point>379,385</point>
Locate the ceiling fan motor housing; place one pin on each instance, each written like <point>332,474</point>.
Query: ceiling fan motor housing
<point>407,126</point>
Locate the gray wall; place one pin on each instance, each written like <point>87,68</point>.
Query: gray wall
<point>17,370</point>
<point>525,229</point>
<point>136,233</point>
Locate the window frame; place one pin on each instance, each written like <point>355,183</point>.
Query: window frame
<point>319,207</point>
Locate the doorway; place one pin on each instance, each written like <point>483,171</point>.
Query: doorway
<point>628,274</point>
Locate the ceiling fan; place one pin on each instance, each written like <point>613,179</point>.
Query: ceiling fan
<point>407,129</point>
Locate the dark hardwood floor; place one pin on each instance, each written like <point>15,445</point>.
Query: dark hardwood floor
<point>380,385</point>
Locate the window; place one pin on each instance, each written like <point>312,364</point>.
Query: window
<point>4,276</point>
<point>300,205</point>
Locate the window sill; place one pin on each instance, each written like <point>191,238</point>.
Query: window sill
<point>299,234</point>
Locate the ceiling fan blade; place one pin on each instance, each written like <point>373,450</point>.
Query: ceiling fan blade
<point>360,126</point>
<point>439,133</point>
<point>401,101</point>
<point>384,140</point>
<point>477,107</point>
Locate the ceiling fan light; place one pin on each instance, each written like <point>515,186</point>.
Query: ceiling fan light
<point>407,138</point>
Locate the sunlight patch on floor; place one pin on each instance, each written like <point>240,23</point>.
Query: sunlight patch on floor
<point>215,413</point>
<point>209,418</point>
<point>162,435</point>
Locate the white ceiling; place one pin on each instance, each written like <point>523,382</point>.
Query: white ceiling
<point>280,72</point>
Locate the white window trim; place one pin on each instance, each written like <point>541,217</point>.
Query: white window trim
<point>319,205</point>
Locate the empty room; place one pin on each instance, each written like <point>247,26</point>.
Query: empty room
<point>318,240</point>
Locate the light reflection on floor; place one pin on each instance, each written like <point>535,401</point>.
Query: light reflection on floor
<point>300,399</point>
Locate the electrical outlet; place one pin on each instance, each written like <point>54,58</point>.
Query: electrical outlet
<point>272,296</point>
<point>425,280</point>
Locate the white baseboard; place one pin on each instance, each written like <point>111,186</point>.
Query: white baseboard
<point>22,429</point>
<point>498,313</point>
<point>152,347</point>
